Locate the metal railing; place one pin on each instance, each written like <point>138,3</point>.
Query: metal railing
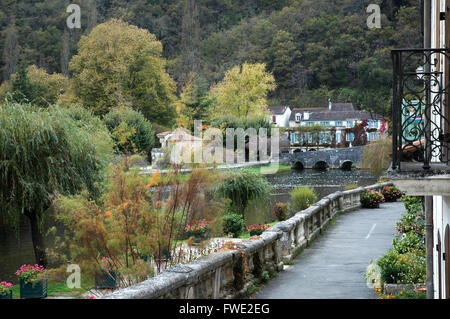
<point>420,108</point>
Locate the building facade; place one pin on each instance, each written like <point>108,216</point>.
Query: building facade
<point>421,136</point>
<point>338,122</point>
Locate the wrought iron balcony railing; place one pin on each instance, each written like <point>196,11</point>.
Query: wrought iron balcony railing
<point>421,109</point>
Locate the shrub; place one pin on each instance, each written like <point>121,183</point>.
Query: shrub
<point>131,131</point>
<point>302,198</point>
<point>371,199</point>
<point>413,221</point>
<point>281,211</point>
<point>242,186</point>
<point>234,224</point>
<point>391,193</point>
<point>408,242</point>
<point>409,268</point>
<point>412,203</point>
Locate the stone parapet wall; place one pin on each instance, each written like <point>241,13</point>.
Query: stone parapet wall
<point>228,273</point>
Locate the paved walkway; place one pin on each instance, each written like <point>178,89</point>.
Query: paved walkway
<point>333,266</point>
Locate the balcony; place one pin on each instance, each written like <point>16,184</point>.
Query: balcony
<point>420,120</point>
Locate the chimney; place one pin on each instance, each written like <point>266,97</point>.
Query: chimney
<point>329,104</point>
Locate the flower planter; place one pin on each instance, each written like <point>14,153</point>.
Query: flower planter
<point>390,200</point>
<point>33,290</point>
<point>106,280</point>
<point>377,205</point>
<point>255,233</point>
<point>7,296</point>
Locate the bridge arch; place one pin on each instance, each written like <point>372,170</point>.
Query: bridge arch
<point>321,165</point>
<point>347,165</point>
<point>298,165</point>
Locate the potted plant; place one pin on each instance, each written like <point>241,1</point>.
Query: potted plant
<point>197,230</point>
<point>33,283</point>
<point>371,199</point>
<point>256,230</point>
<point>5,290</point>
<point>108,276</point>
<point>391,193</point>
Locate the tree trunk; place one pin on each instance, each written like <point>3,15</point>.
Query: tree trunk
<point>37,238</point>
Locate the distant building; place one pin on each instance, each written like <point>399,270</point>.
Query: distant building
<point>279,115</point>
<point>339,117</point>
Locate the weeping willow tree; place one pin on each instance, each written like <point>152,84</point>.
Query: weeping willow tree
<point>243,186</point>
<point>45,153</point>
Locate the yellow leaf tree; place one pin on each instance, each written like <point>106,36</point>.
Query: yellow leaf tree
<point>120,64</point>
<point>243,91</point>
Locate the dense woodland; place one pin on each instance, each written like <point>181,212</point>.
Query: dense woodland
<point>315,49</point>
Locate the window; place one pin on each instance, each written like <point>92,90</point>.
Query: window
<point>274,119</point>
<point>298,117</point>
<point>339,123</point>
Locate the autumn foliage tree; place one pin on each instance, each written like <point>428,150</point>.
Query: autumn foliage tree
<point>243,91</point>
<point>121,65</point>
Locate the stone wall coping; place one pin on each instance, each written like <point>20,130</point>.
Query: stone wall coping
<point>170,281</point>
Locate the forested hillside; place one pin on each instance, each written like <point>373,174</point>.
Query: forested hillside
<point>315,48</point>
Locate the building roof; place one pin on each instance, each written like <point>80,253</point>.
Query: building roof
<point>182,135</point>
<point>303,110</point>
<point>324,114</point>
<point>342,107</point>
<point>278,109</point>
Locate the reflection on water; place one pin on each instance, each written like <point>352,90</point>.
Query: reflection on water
<point>16,251</point>
<point>323,182</point>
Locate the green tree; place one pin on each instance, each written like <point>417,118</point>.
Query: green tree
<point>45,153</point>
<point>141,138</point>
<point>194,102</point>
<point>121,65</point>
<point>243,91</point>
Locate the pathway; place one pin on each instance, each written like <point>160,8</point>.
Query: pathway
<point>333,266</point>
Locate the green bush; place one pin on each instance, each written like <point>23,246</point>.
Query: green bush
<point>409,268</point>
<point>136,132</point>
<point>281,211</point>
<point>302,198</point>
<point>413,221</point>
<point>409,242</point>
<point>391,193</point>
<point>371,199</point>
<point>412,203</point>
<point>234,224</point>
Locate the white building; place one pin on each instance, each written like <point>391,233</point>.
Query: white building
<point>421,164</point>
<point>279,115</point>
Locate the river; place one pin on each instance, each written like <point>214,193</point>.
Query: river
<point>17,250</point>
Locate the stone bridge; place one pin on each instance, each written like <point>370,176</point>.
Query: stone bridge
<point>343,158</point>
